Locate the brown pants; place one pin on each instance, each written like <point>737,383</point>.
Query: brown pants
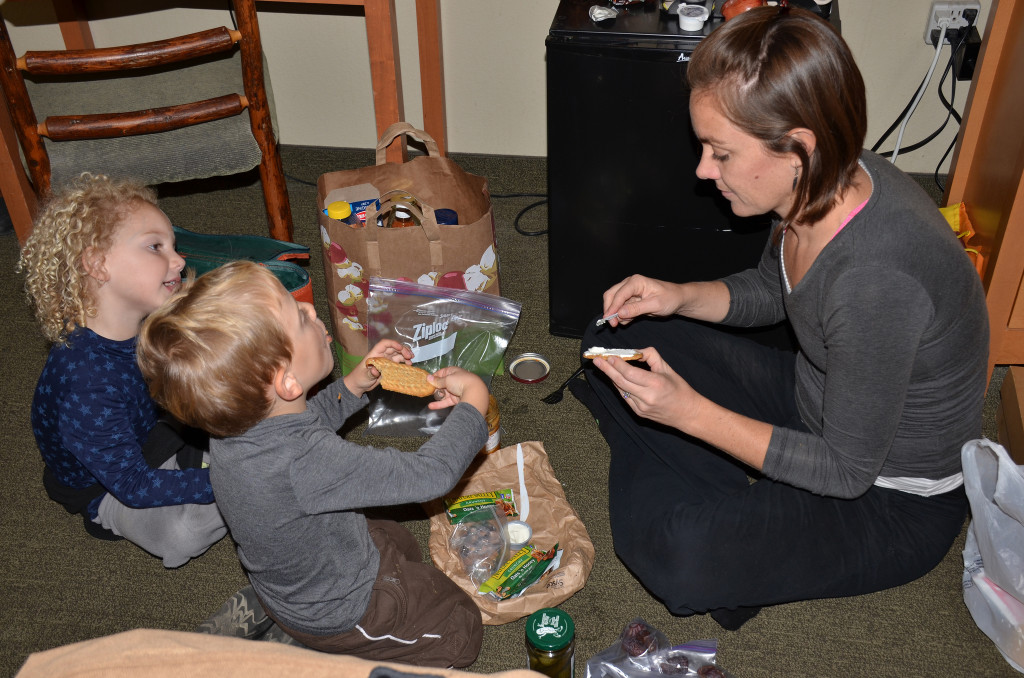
<point>416,614</point>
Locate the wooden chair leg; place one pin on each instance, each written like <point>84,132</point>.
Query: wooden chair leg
<point>275,192</point>
<point>18,195</point>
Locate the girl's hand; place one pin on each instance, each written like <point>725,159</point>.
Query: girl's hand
<point>658,394</point>
<point>364,378</point>
<point>455,385</point>
<point>638,295</point>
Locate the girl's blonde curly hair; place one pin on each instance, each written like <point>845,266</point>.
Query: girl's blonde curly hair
<point>85,215</point>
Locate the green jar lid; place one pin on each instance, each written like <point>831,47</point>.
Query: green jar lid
<point>550,629</point>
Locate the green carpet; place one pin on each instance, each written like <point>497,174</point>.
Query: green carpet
<point>61,586</point>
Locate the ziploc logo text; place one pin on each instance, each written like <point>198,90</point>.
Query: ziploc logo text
<point>425,331</point>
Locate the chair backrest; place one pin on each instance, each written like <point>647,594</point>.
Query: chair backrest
<point>68,109</point>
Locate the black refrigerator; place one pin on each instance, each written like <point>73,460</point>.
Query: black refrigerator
<point>623,196</point>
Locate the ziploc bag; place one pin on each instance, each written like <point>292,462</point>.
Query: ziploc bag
<point>443,327</point>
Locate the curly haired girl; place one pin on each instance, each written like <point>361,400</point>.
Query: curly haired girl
<point>101,258</point>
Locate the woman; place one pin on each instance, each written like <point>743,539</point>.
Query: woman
<point>852,444</point>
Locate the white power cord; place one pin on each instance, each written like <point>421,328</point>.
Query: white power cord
<point>943,25</point>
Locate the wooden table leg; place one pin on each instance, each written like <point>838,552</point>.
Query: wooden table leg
<point>428,29</point>
<point>385,71</point>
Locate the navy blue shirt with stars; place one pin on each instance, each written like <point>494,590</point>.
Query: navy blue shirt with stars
<point>90,415</point>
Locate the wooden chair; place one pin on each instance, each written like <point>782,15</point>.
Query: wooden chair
<point>60,103</point>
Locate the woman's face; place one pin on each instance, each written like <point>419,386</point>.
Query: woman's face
<point>752,180</point>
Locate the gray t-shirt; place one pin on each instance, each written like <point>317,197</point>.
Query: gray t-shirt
<point>292,490</point>
<point>893,345</point>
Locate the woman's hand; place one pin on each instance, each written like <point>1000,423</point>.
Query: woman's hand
<point>455,385</point>
<point>658,394</point>
<point>638,295</point>
<point>661,395</point>
<point>364,378</point>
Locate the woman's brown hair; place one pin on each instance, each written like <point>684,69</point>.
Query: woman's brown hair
<point>771,70</point>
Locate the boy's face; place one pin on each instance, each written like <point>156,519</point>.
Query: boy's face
<point>312,359</point>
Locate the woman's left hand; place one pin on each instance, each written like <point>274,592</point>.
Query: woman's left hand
<point>658,394</point>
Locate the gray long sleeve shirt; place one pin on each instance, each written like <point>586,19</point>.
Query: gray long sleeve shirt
<point>893,345</point>
<point>291,491</point>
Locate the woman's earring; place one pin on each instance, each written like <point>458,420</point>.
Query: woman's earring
<point>796,176</point>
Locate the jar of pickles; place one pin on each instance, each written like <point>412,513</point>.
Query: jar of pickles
<point>551,643</point>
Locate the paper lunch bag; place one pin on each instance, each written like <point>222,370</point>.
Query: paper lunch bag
<point>461,256</point>
<point>553,521</point>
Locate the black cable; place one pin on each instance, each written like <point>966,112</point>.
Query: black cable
<point>949,110</point>
<point>519,195</point>
<point>299,181</point>
<point>942,187</point>
<point>515,222</point>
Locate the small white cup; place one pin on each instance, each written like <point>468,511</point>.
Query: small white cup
<point>692,17</point>
<point>519,534</point>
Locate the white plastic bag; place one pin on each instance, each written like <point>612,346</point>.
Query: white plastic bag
<point>993,579</point>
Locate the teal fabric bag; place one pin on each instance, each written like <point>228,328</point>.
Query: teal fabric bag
<point>204,252</point>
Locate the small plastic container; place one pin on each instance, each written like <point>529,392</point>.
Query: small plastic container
<point>692,17</point>
<point>519,534</point>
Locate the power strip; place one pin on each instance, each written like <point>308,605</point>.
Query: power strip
<point>952,15</point>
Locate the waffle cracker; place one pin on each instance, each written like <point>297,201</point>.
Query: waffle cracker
<point>595,352</point>
<point>402,378</point>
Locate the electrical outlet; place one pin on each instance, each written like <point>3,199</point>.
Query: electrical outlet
<point>954,15</point>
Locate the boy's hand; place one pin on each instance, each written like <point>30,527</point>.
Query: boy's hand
<point>363,377</point>
<point>456,385</point>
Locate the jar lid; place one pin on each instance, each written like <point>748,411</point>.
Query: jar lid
<point>550,629</point>
<point>446,217</point>
<point>339,209</point>
<point>529,368</point>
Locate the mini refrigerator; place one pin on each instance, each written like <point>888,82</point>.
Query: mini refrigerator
<point>623,196</point>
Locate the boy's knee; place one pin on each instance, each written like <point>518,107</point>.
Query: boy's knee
<point>466,642</point>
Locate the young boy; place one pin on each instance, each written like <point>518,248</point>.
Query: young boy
<point>235,354</point>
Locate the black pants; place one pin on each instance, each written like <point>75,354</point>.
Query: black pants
<point>701,534</point>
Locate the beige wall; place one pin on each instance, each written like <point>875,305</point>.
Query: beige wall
<point>494,68</point>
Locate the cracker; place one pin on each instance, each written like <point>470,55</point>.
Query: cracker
<point>600,352</point>
<point>402,378</point>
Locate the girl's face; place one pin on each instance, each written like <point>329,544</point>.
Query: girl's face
<point>752,180</point>
<point>141,268</point>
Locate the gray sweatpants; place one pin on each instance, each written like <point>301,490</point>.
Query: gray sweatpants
<point>174,533</point>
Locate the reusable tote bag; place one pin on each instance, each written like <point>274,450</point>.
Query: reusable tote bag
<point>204,252</point>
<point>462,255</point>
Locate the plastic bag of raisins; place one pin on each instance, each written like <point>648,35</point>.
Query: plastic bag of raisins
<point>643,650</point>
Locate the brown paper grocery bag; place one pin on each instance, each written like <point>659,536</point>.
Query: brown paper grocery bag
<point>461,256</point>
<point>553,521</point>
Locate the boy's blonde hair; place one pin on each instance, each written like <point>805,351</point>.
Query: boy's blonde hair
<point>211,352</point>
<point>84,215</point>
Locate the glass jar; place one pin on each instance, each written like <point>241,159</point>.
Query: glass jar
<point>551,643</point>
<point>493,419</point>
